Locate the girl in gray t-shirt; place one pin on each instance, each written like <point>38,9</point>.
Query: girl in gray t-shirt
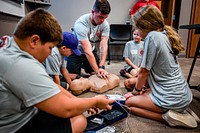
<point>132,55</point>
<point>168,95</point>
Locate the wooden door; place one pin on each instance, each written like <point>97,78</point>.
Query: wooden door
<point>192,37</point>
<point>167,8</point>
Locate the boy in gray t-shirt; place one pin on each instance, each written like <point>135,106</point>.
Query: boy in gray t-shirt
<point>30,102</point>
<point>56,63</point>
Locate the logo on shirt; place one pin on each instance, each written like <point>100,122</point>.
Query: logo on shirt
<point>98,34</point>
<point>141,51</point>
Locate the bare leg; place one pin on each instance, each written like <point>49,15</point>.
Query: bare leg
<point>130,83</point>
<point>128,75</point>
<point>78,124</point>
<point>124,73</point>
<point>147,114</point>
<point>142,105</point>
<point>134,72</point>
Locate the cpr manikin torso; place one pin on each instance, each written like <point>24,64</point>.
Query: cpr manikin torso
<point>94,84</point>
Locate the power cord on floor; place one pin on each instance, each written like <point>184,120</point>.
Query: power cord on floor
<point>124,108</point>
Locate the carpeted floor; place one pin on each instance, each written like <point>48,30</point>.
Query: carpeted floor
<point>135,124</point>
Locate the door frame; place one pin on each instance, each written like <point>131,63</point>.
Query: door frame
<point>192,37</point>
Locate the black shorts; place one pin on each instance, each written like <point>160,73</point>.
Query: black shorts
<point>129,70</point>
<point>43,122</point>
<point>63,82</point>
<point>75,63</point>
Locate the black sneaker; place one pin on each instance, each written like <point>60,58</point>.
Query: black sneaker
<point>122,72</point>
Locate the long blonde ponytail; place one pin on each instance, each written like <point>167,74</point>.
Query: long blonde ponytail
<point>174,39</point>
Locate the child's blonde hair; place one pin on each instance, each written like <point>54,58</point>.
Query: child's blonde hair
<point>149,18</point>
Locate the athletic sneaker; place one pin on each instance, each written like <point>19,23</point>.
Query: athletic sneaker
<point>180,119</point>
<point>193,114</point>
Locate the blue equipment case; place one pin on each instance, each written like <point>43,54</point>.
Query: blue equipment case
<point>109,117</point>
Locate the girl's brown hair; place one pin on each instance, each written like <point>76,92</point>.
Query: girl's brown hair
<point>149,18</point>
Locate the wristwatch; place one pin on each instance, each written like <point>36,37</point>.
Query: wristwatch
<point>137,91</point>
<point>102,67</point>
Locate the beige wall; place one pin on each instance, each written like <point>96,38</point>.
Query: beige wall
<point>67,11</point>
